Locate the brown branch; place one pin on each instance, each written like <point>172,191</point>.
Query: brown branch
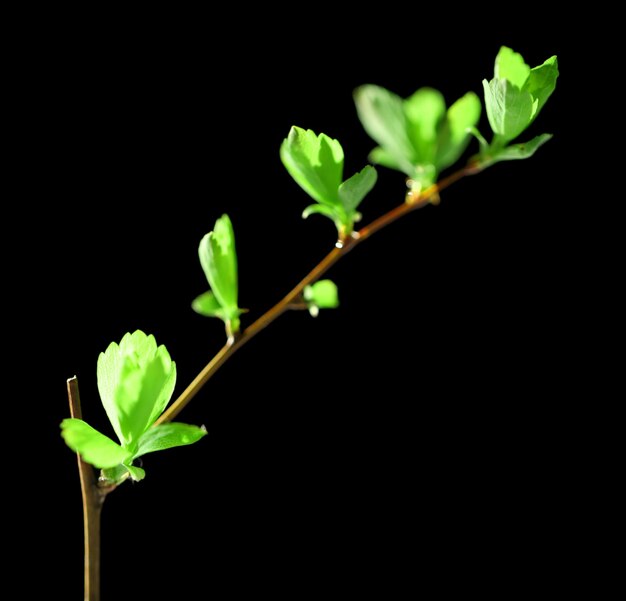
<point>93,500</point>
<point>342,248</point>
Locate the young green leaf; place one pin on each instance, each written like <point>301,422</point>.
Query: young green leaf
<point>207,304</point>
<point>382,157</point>
<point>417,136</point>
<point>316,164</point>
<point>513,99</point>
<point>329,212</point>
<point>510,65</point>
<point>461,117</point>
<point>219,262</point>
<point>218,258</point>
<point>356,188</point>
<point>167,436</point>
<point>136,379</point>
<point>509,109</point>
<point>136,473</point>
<point>91,445</point>
<point>321,295</point>
<point>425,110</point>
<point>115,475</point>
<point>382,115</point>
<point>541,82</point>
<point>517,151</point>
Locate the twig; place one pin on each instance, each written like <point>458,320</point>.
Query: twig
<point>342,248</point>
<point>93,500</point>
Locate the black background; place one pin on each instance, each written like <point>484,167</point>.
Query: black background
<point>408,439</point>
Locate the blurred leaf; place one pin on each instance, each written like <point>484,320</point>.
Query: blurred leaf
<point>167,436</point>
<point>383,117</point>
<point>94,448</point>
<point>461,118</point>
<point>321,295</point>
<point>425,110</point>
<point>416,136</point>
<point>380,156</point>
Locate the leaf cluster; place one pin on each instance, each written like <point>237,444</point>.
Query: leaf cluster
<point>136,379</point>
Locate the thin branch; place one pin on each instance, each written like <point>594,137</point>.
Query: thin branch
<point>342,248</point>
<point>424,199</point>
<point>93,499</point>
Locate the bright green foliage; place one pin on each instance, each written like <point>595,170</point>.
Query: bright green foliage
<point>208,305</point>
<point>95,448</point>
<point>136,380</point>
<point>316,164</point>
<point>523,150</point>
<point>513,99</point>
<point>321,295</point>
<point>166,436</point>
<point>218,258</point>
<point>416,136</point>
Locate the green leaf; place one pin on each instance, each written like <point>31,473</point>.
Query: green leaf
<point>119,473</point>
<point>142,395</point>
<point>115,475</point>
<point>542,82</point>
<point>94,448</point>
<point>218,258</point>
<point>109,374</point>
<point>510,65</point>
<point>484,145</point>
<point>136,473</point>
<point>315,163</point>
<point>516,94</point>
<point>167,436</point>
<point>381,157</point>
<point>516,151</point>
<point>509,109</point>
<point>417,136</point>
<point>207,304</point>
<point>383,117</point>
<point>161,385</point>
<point>331,212</point>
<point>354,189</point>
<point>136,380</point>
<point>323,295</point>
<point>425,110</point>
<point>454,135</point>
